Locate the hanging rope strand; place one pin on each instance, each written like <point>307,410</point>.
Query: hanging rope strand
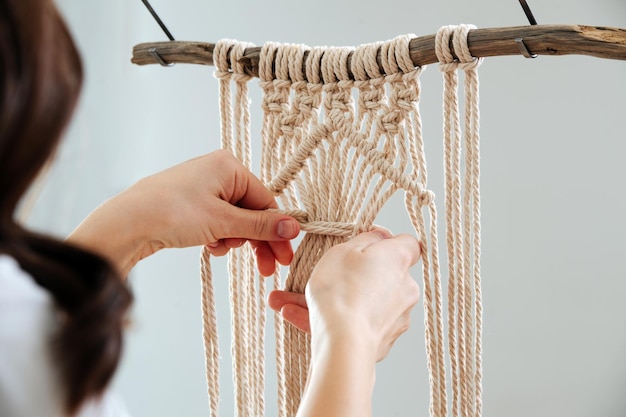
<point>209,333</point>
<point>462,221</point>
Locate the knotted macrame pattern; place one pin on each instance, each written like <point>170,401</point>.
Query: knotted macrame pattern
<point>341,133</point>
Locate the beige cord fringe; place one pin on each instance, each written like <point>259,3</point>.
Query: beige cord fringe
<point>334,150</point>
<point>462,222</point>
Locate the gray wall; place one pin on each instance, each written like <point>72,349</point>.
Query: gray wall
<point>553,143</point>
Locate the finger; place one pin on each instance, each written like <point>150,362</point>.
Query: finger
<point>249,224</point>
<point>297,316</point>
<point>292,306</point>
<point>278,299</point>
<point>249,191</point>
<point>402,248</point>
<point>218,248</point>
<point>233,243</point>
<point>366,239</point>
<point>283,252</point>
<point>265,260</point>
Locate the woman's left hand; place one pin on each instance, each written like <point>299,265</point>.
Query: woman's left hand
<point>211,200</point>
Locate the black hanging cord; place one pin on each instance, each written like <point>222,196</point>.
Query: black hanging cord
<point>158,19</point>
<point>528,12</point>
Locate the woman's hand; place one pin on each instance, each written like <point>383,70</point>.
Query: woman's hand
<point>362,285</point>
<point>356,304</point>
<point>211,200</point>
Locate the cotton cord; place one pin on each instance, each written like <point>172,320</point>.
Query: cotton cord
<point>333,162</point>
<point>462,220</point>
<point>339,137</point>
<point>246,288</point>
<point>209,333</point>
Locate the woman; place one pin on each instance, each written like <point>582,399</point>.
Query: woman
<point>63,304</point>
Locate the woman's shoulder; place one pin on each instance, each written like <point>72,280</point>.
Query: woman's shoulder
<point>27,314</point>
<point>29,384</point>
<point>27,321</point>
<point>17,285</point>
<point>26,309</point>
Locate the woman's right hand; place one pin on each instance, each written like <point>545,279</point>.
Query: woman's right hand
<point>356,304</point>
<point>360,290</point>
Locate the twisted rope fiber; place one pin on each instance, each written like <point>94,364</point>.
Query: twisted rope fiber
<point>247,304</point>
<point>338,135</point>
<point>209,333</point>
<point>333,151</point>
<point>462,222</point>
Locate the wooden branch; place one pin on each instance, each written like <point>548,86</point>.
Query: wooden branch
<point>601,42</point>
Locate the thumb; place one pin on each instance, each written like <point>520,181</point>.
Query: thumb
<point>257,225</point>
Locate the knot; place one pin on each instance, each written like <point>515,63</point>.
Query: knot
<point>318,227</point>
<point>227,55</point>
<point>391,120</point>
<point>372,105</point>
<point>403,98</point>
<point>451,41</point>
<point>313,64</point>
<point>284,62</point>
<point>299,86</point>
<point>425,198</point>
<point>377,60</point>
<point>416,189</point>
<point>334,65</point>
<point>471,65</point>
<point>395,55</point>
<point>448,67</point>
<point>236,54</point>
<point>266,61</point>
<point>304,102</point>
<point>463,66</point>
<point>364,65</point>
<point>220,56</point>
<point>241,78</point>
<point>222,75</point>
<point>276,96</point>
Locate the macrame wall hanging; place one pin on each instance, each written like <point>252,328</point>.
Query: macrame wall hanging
<point>339,138</point>
<point>341,133</point>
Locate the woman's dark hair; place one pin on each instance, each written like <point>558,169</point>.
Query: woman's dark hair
<point>40,79</point>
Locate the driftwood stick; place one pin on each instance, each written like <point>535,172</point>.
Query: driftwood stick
<point>601,42</point>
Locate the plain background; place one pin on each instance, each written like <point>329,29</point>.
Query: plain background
<point>553,146</point>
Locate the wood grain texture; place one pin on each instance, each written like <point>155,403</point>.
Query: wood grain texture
<point>597,41</point>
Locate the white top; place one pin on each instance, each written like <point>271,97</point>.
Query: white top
<point>29,385</point>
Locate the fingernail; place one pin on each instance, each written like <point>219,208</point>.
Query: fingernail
<point>287,229</point>
<point>382,232</point>
<point>213,244</point>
